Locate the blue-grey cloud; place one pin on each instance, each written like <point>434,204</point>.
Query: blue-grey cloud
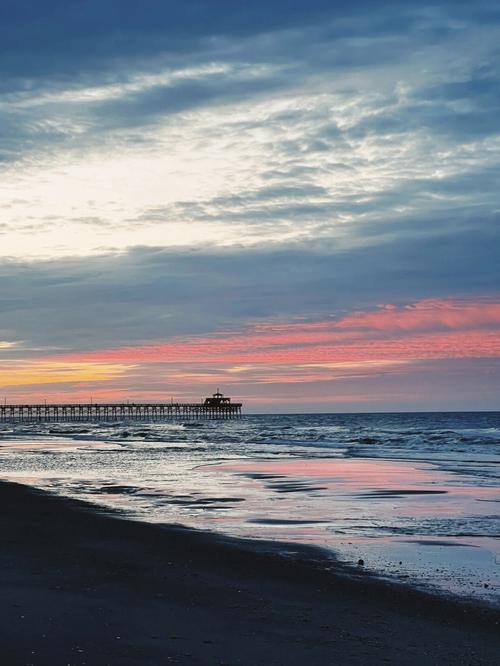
<point>60,38</point>
<point>151,294</point>
<point>57,45</point>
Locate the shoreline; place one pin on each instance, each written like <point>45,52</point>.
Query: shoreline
<point>83,585</point>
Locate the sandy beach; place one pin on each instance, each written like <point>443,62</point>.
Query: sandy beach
<point>82,587</point>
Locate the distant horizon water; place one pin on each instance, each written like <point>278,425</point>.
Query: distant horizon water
<point>259,412</point>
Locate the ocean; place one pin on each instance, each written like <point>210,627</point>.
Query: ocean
<point>414,496</point>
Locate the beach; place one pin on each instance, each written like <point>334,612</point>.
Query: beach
<point>83,586</point>
<point>414,496</point>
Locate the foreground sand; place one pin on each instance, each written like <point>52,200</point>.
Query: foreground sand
<point>79,587</point>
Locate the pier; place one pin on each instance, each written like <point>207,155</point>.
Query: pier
<point>216,407</point>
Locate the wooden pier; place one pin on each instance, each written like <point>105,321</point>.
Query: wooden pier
<point>216,407</point>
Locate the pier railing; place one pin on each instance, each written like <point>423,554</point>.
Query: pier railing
<point>117,412</point>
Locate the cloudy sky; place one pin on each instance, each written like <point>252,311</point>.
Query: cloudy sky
<point>296,201</point>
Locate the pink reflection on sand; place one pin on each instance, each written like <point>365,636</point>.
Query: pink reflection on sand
<point>42,444</point>
<point>50,444</point>
<point>356,471</point>
<point>416,489</point>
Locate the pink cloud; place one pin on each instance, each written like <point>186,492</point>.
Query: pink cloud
<point>438,329</point>
<point>426,315</point>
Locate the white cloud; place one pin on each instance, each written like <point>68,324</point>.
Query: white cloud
<point>247,146</point>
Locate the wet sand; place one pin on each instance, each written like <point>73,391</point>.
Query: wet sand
<point>82,587</point>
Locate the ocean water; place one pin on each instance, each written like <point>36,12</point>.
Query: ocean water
<point>415,496</point>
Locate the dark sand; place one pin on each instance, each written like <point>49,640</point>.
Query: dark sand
<point>81,587</point>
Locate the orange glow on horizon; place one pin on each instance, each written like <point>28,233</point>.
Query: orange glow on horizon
<point>55,372</point>
<point>362,344</point>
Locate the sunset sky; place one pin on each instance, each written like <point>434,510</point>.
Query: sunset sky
<point>297,202</point>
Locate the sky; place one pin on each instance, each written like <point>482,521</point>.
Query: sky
<point>296,202</point>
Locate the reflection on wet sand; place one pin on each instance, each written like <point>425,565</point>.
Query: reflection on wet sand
<point>414,496</point>
<point>357,506</point>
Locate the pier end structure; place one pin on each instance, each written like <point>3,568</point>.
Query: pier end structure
<point>216,407</point>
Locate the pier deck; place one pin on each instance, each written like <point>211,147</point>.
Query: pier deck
<point>217,407</point>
